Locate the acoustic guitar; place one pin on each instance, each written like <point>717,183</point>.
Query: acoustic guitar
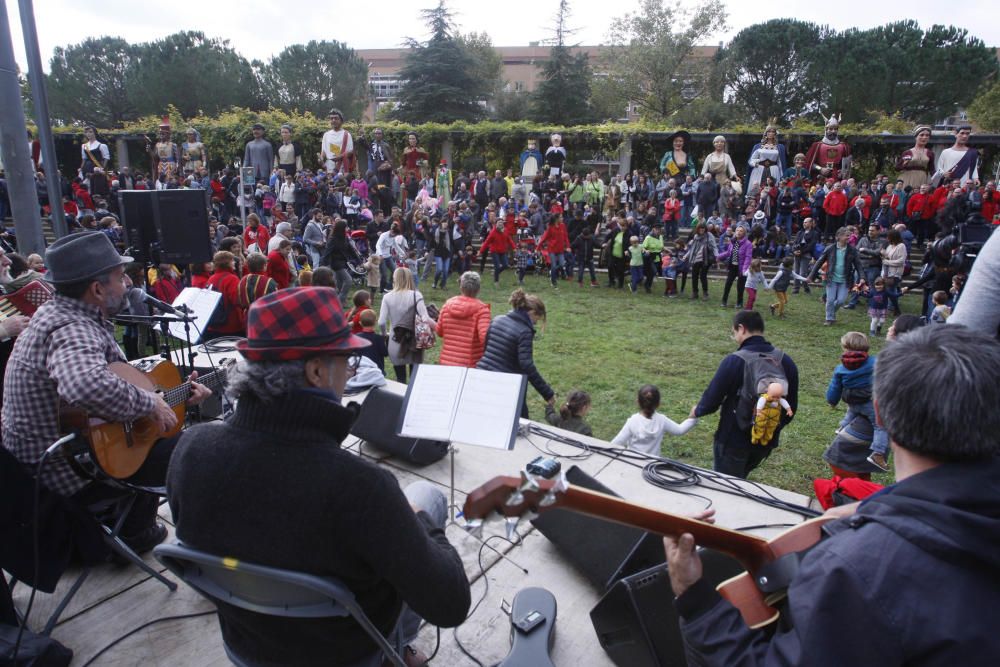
<point>754,593</point>
<point>121,448</point>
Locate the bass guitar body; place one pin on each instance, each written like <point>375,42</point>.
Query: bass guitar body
<point>120,449</point>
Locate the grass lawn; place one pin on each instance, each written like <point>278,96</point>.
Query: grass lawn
<point>610,342</point>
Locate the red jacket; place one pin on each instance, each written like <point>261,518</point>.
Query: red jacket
<point>918,206</point>
<point>462,325</point>
<point>199,280</point>
<point>278,269</point>
<point>227,283</point>
<point>555,239</point>
<point>258,234</point>
<point>496,242</point>
<point>835,203</point>
<point>991,204</point>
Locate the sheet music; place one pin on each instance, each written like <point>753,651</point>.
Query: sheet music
<point>202,303</point>
<point>431,399</point>
<point>488,409</point>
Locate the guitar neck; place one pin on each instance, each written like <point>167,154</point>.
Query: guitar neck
<point>751,551</point>
<point>182,392</point>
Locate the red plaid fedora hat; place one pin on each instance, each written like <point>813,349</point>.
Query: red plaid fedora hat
<point>297,323</point>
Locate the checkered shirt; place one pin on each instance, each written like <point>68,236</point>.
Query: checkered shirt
<point>63,356</point>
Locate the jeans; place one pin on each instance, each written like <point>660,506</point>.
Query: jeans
<point>734,275</point>
<point>558,261</point>
<point>892,291</point>
<point>802,264</point>
<point>586,265</point>
<point>738,461</point>
<point>636,276</point>
<point>429,499</point>
<point>343,280</point>
<point>441,267</point>
<point>785,220</point>
<point>616,271</point>
<point>386,269</point>
<point>650,267</point>
<point>880,439</point>
<point>836,295</point>
<point>499,264</point>
<point>699,271</point>
<point>670,229</point>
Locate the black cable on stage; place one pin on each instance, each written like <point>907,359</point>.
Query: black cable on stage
<point>131,632</point>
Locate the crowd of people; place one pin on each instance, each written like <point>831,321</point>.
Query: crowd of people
<point>286,279</point>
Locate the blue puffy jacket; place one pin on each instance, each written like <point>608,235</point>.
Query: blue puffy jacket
<point>509,349</point>
<point>852,386</point>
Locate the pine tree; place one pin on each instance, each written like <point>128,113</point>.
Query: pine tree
<point>438,86</point>
<point>563,94</point>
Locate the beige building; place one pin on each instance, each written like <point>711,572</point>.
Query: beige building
<point>521,69</point>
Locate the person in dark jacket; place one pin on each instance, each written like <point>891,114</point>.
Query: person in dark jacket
<point>510,344</point>
<point>909,575</point>
<point>734,454</point>
<point>272,486</point>
<point>843,267</point>
<point>338,252</point>
<point>802,249</point>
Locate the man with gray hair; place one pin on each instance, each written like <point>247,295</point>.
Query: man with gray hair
<point>909,575</point>
<point>272,486</point>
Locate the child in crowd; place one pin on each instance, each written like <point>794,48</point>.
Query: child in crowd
<point>878,304</point>
<point>377,350</point>
<point>635,262</point>
<point>852,383</point>
<point>413,264</point>
<point>681,264</point>
<point>373,278</point>
<point>644,430</point>
<point>522,257</point>
<point>669,270</point>
<point>942,311</point>
<point>755,281</point>
<point>362,302</point>
<point>780,284</point>
<point>571,414</point>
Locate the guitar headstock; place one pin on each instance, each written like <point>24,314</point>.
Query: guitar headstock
<point>512,497</point>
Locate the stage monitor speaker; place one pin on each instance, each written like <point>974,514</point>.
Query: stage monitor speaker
<point>137,211</point>
<point>182,220</point>
<point>376,425</point>
<point>602,551</point>
<point>636,622</point>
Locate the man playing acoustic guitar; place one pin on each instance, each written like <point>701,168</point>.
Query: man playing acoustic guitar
<point>62,357</point>
<point>909,575</point>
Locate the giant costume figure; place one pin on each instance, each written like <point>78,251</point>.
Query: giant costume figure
<point>830,157</point>
<point>768,158</point>
<point>165,154</point>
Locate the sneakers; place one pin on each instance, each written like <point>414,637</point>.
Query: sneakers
<point>828,323</point>
<point>593,283</point>
<point>878,460</point>
<point>724,305</point>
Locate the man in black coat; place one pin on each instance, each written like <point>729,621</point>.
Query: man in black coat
<point>909,575</point>
<point>707,196</point>
<point>734,454</point>
<point>272,486</point>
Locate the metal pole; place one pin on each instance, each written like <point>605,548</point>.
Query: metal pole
<point>36,77</point>
<point>16,149</point>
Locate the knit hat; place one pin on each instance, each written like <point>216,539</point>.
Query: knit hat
<point>853,359</point>
<point>297,323</point>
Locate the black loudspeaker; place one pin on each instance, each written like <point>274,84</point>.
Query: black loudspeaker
<point>377,426</point>
<point>636,622</point>
<point>602,551</point>
<point>137,212</point>
<point>182,219</point>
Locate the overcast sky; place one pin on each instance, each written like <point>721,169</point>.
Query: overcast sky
<point>260,29</point>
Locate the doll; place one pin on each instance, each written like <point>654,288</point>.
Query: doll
<point>767,413</point>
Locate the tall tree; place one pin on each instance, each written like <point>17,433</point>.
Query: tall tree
<point>563,93</point>
<point>438,84</point>
<point>317,76</point>
<point>194,73</point>
<point>985,109</point>
<point>89,82</point>
<point>485,63</point>
<point>771,68</point>
<point>654,55</point>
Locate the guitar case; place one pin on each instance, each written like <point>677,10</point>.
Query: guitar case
<point>532,629</point>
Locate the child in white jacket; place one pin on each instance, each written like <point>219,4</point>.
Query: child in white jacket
<point>644,430</point>
<point>755,281</point>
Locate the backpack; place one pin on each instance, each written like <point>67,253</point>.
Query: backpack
<point>759,370</point>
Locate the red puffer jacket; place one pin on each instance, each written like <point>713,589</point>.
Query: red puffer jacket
<point>462,325</point>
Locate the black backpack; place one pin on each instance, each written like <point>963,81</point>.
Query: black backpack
<point>759,370</point>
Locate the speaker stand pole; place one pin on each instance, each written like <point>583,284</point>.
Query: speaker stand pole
<point>454,511</point>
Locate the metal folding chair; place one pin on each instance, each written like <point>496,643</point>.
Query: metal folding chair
<point>269,590</point>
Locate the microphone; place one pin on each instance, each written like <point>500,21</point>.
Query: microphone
<point>161,306</point>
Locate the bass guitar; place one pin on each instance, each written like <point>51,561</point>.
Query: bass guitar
<point>769,563</point>
<point>121,448</point>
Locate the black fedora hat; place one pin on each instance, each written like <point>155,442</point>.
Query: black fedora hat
<point>683,134</point>
<point>78,257</point>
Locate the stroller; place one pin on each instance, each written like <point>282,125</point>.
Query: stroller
<point>356,266</point>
